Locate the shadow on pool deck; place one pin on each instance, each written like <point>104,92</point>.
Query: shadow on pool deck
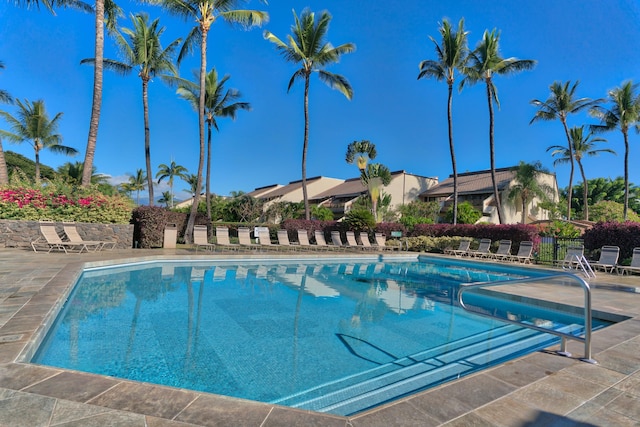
<point>538,389</point>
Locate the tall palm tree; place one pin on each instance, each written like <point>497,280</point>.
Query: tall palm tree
<point>583,145</point>
<point>452,56</point>
<point>307,46</point>
<point>623,114</point>
<point>109,10</point>
<point>218,102</point>
<point>32,125</point>
<point>170,172</point>
<point>205,13</point>
<point>137,183</point>
<point>166,198</point>
<point>527,186</point>
<point>143,51</point>
<point>4,174</point>
<point>560,103</point>
<point>192,180</point>
<point>361,152</point>
<point>72,172</point>
<point>485,62</point>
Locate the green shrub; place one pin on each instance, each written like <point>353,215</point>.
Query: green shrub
<point>359,220</point>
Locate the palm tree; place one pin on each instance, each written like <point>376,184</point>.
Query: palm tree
<point>109,10</point>
<point>218,102</point>
<point>623,114</point>
<point>582,145</point>
<point>166,198</point>
<point>72,172</point>
<point>4,174</point>
<point>373,177</point>
<point>205,13</point>
<point>307,47</point>
<point>143,51</point>
<point>4,95</point>
<point>527,186</point>
<point>32,125</point>
<point>137,183</point>
<point>560,103</point>
<point>171,171</point>
<point>452,56</point>
<point>192,180</point>
<point>485,62</point>
<point>361,152</point>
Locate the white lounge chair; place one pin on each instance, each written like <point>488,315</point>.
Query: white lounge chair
<point>201,239</point>
<point>364,240</point>
<point>381,243</point>
<point>244,238</point>
<point>336,240</point>
<point>72,233</point>
<point>352,242</point>
<point>50,240</point>
<point>320,240</point>
<point>284,242</point>
<point>635,264</point>
<point>608,259</point>
<point>222,239</point>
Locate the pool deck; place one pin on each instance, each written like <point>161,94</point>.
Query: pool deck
<point>539,389</point>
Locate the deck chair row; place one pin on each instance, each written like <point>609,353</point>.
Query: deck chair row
<point>607,262</point>
<point>263,241</point>
<point>503,253</point>
<point>50,240</point>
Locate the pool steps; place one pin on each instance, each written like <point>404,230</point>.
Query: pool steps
<point>425,369</point>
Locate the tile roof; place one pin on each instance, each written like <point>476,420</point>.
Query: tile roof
<point>472,182</point>
<point>350,188</point>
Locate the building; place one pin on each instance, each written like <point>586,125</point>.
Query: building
<point>477,189</point>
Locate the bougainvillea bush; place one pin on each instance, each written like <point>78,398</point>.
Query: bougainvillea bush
<point>48,202</point>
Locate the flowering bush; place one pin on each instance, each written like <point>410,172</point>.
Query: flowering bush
<point>81,205</point>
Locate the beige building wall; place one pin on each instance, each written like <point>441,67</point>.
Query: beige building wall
<point>405,188</point>
<point>314,187</point>
<point>513,211</point>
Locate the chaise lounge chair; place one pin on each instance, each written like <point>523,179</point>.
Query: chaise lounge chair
<point>222,238</point>
<point>320,241</point>
<point>366,243</point>
<point>72,233</point>
<point>352,242</point>
<point>463,249</point>
<point>608,259</point>
<point>635,264</point>
<point>381,243</point>
<point>503,252</point>
<point>336,240</point>
<point>50,240</point>
<point>244,238</point>
<point>200,238</point>
<point>525,251</point>
<point>483,250</point>
<point>284,242</point>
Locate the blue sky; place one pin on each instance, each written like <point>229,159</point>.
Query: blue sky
<point>593,41</point>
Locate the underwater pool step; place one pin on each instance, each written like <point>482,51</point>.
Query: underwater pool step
<point>358,397</point>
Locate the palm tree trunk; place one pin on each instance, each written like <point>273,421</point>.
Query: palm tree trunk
<point>147,143</point>
<point>496,196</point>
<point>570,192</point>
<point>585,191</point>
<point>305,145</point>
<point>208,189</point>
<point>4,173</point>
<point>97,96</point>
<point>453,156</point>
<point>37,177</point>
<point>188,234</point>
<point>626,174</point>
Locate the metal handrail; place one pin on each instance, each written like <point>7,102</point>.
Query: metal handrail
<point>563,346</point>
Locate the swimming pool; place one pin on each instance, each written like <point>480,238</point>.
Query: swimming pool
<point>334,336</point>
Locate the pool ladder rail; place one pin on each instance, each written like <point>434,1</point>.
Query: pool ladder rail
<point>579,262</point>
<point>564,336</point>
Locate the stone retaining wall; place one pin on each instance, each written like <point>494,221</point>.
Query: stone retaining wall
<point>18,234</point>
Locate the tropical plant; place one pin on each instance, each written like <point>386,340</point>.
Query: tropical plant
<point>282,211</point>
<point>610,189</point>
<point>527,186</point>
<point>607,210</point>
<point>560,103</point>
<point>192,180</point>
<point>583,145</point>
<point>374,177</point>
<point>205,13</point>
<point>360,220</point>
<point>72,173</point>
<point>452,56</point>
<point>166,198</point>
<point>137,183</point>
<point>109,10</point>
<point>485,62</point>
<point>142,51</point>
<point>218,102</point>
<point>308,47</point>
<point>243,208</point>
<point>419,212</point>
<point>170,172</point>
<point>467,214</point>
<point>31,124</point>
<point>321,213</point>
<point>623,114</point>
<point>361,152</point>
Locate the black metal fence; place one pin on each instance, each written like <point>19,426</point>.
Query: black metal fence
<point>553,249</point>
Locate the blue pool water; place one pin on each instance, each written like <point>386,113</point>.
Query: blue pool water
<point>334,336</point>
